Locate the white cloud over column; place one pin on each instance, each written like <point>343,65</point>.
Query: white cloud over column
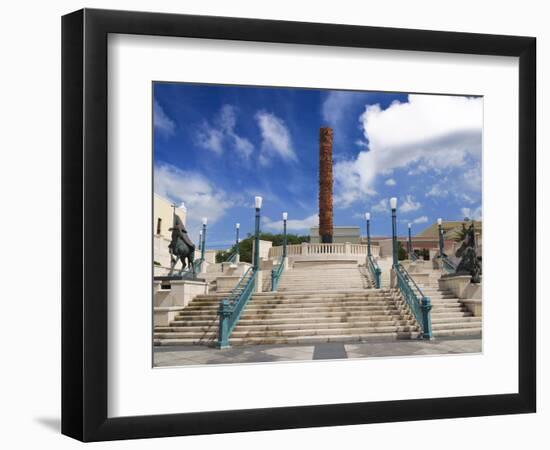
<point>430,131</point>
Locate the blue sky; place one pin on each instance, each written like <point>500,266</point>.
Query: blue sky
<point>216,147</point>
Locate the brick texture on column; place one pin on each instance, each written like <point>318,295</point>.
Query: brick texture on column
<point>325,185</point>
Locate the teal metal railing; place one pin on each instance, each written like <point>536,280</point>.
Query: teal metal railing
<point>276,275</point>
<point>418,303</point>
<point>374,271</point>
<point>232,306</point>
<point>447,265</point>
<point>231,258</point>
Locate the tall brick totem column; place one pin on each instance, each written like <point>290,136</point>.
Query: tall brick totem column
<point>325,185</point>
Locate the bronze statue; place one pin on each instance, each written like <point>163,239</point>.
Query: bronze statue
<point>470,262</point>
<point>181,247</point>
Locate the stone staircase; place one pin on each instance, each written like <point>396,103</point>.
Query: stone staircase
<point>324,303</point>
<point>450,317</point>
<point>321,303</point>
<point>316,276</point>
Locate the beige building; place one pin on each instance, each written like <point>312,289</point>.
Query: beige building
<point>341,235</point>
<point>163,220</point>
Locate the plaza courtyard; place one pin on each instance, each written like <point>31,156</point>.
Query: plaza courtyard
<point>196,355</point>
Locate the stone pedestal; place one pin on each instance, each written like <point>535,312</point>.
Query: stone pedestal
<point>258,285</point>
<point>227,282</point>
<point>285,263</point>
<point>464,289</point>
<point>168,302</point>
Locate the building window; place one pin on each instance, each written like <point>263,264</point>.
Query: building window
<point>159,224</point>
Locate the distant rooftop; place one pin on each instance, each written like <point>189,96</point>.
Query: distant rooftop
<point>450,228</point>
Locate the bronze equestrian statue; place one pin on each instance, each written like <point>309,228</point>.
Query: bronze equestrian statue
<point>470,263</point>
<point>181,247</point>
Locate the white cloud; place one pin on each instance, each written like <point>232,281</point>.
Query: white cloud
<point>437,191</point>
<point>335,105</point>
<point>390,182</point>
<point>475,214</point>
<point>434,132</point>
<point>382,206</point>
<point>276,140</point>
<point>421,219</point>
<point>210,138</point>
<point>201,197</point>
<point>472,178</point>
<point>213,137</point>
<point>292,224</point>
<point>408,205</point>
<point>161,122</point>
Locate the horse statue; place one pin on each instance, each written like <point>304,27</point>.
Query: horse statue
<point>470,262</point>
<point>181,248</point>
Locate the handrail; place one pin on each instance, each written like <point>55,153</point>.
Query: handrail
<point>232,306</point>
<point>374,270</point>
<point>276,275</point>
<point>447,265</point>
<point>418,303</point>
<point>231,258</point>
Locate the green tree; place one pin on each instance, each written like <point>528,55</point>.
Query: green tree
<point>247,243</point>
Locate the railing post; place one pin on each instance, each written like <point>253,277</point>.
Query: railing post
<point>223,328</point>
<point>393,204</point>
<point>378,272</point>
<point>441,241</point>
<point>237,244</point>
<point>409,243</point>
<point>273,286</point>
<point>256,260</point>
<point>367,216</point>
<point>426,319</point>
<point>285,217</point>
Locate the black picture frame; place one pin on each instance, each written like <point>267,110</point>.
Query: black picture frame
<point>84,224</point>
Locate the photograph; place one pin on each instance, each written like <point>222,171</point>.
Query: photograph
<point>302,224</point>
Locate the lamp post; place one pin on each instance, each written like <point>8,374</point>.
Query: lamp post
<point>258,205</point>
<point>441,242</point>
<point>367,217</point>
<point>237,246</point>
<point>200,241</point>
<point>410,245</point>
<point>285,217</point>
<point>393,205</point>
<point>203,247</point>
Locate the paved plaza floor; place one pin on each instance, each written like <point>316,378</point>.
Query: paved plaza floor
<point>198,355</point>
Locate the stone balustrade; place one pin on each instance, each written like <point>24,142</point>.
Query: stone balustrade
<point>336,249</point>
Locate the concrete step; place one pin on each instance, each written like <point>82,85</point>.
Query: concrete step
<point>461,319</point>
<point>455,325</point>
<point>260,326</point>
<point>296,340</point>
<point>464,332</point>
<point>304,319</point>
<point>294,332</point>
<point>319,310</point>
